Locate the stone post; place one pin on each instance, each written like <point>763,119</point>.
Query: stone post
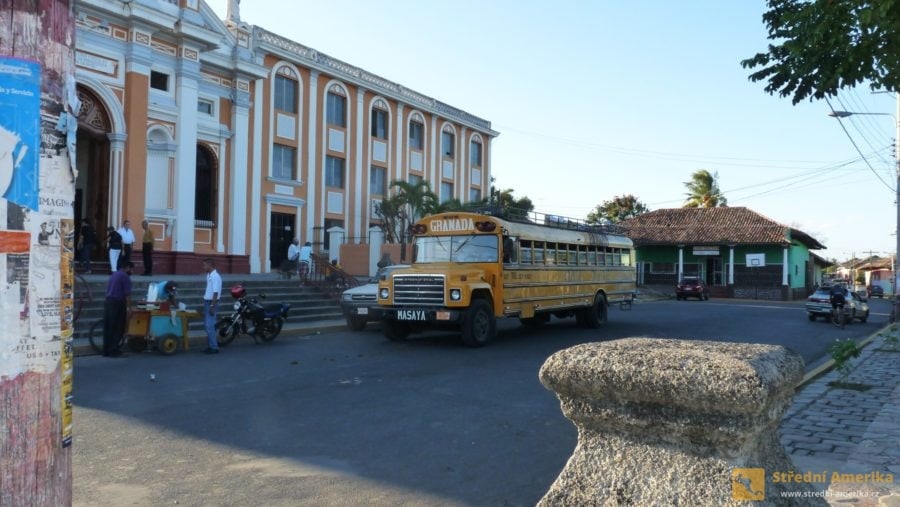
<point>671,422</point>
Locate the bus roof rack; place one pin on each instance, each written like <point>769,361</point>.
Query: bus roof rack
<point>556,221</point>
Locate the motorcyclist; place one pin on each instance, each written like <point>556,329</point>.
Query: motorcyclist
<point>838,297</point>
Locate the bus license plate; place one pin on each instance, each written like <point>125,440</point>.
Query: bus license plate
<point>410,314</point>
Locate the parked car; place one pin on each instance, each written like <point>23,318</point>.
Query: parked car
<point>875,291</point>
<point>691,287</point>
<point>359,303</point>
<point>819,305</point>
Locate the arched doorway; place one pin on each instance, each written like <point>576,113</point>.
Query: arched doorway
<point>92,162</point>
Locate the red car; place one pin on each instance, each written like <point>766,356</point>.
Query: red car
<point>691,287</point>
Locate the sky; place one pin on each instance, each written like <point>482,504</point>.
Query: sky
<point>596,99</point>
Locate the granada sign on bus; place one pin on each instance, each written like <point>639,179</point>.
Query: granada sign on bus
<point>452,224</point>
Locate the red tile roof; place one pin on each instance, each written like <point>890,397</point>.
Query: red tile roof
<point>711,226</point>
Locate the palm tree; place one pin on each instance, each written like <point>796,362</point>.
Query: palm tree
<point>703,191</point>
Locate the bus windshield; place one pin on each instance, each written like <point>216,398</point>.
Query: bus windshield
<point>463,248</point>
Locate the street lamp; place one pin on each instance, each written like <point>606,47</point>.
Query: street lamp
<point>844,114</point>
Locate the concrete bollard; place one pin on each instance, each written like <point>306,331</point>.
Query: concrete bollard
<point>674,422</point>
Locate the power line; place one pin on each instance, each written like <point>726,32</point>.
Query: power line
<point>840,121</point>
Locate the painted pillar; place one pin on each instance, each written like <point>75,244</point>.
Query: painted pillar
<point>312,153</point>
<point>376,240</point>
<point>256,178</point>
<point>186,155</point>
<point>461,184</point>
<point>784,268</point>
<point>237,212</point>
<point>38,102</point>
<point>680,262</point>
<point>730,264</point>
<point>128,181</point>
<point>435,156</point>
<point>362,170</point>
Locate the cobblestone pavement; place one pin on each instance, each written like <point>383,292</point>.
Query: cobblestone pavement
<point>852,429</point>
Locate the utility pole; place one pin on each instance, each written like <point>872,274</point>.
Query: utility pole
<point>37,190</point>
<point>896,311</point>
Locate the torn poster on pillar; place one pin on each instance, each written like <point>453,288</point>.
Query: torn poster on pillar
<point>20,130</point>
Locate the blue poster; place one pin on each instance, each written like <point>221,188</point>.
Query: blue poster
<point>20,130</point>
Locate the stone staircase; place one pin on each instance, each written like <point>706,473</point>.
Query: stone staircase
<point>308,303</point>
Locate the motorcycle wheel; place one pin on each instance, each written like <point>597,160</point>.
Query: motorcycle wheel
<point>270,329</point>
<point>226,331</point>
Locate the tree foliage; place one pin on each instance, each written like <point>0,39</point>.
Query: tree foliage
<point>822,46</point>
<point>406,203</point>
<point>703,191</point>
<point>618,209</point>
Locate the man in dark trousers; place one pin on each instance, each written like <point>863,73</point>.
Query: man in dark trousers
<point>115,308</point>
<point>147,248</point>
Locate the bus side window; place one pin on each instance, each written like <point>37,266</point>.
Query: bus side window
<point>510,254</point>
<point>525,248</point>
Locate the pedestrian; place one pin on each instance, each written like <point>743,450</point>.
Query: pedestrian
<point>147,248</point>
<point>293,256</point>
<point>86,242</point>
<point>210,304</point>
<point>305,259</point>
<point>114,247</point>
<point>116,308</point>
<point>127,240</point>
<point>385,261</point>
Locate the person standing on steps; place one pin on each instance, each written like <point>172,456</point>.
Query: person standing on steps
<point>147,248</point>
<point>114,248</point>
<point>305,261</point>
<point>116,308</point>
<point>210,305</point>
<point>86,242</point>
<point>127,240</point>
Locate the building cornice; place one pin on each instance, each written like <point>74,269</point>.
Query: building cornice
<point>309,57</point>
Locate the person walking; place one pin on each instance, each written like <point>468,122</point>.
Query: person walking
<point>86,242</point>
<point>293,256</point>
<point>114,248</point>
<point>147,248</point>
<point>210,304</point>
<point>127,240</point>
<point>305,260</point>
<point>115,309</point>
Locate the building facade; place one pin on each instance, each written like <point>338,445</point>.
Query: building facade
<point>232,140</point>
<point>736,251</point>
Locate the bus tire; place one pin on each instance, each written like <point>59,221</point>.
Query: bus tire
<point>595,316</point>
<point>395,331</point>
<point>479,325</point>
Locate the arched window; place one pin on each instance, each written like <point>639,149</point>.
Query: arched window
<point>206,192</point>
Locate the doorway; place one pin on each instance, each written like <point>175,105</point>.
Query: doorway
<point>714,271</point>
<point>92,160</point>
<point>281,233</point>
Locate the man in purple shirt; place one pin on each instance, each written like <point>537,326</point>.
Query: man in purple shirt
<point>115,308</point>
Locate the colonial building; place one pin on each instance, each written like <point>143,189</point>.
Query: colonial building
<point>736,251</point>
<point>232,140</point>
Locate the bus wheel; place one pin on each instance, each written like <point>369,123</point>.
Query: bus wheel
<point>478,324</point>
<point>395,331</point>
<point>595,316</point>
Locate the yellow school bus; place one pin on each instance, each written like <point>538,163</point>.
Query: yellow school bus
<point>469,269</point>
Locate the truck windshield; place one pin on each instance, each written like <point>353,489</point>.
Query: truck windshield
<point>465,248</point>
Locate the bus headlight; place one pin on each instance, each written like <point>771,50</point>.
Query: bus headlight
<point>455,294</point>
<point>383,293</point>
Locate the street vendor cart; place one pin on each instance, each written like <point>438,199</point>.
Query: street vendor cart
<point>156,325</point>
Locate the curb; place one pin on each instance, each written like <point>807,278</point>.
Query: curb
<point>199,340</point>
<point>829,364</point>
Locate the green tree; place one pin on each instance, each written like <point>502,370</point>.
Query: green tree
<point>822,46</point>
<point>703,191</point>
<point>616,210</point>
<point>406,203</point>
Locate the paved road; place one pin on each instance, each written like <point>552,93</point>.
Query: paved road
<point>351,419</point>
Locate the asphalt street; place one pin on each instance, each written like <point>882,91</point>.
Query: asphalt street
<point>351,419</point>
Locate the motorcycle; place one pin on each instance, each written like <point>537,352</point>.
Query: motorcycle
<point>260,322</point>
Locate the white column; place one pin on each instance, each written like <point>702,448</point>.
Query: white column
<point>398,140</point>
<point>312,153</point>
<point>784,268</point>
<point>256,179</point>
<point>362,170</point>
<point>435,156</point>
<point>186,161</point>
<point>461,185</point>
<point>731,265</point>
<point>680,262</point>
<point>116,162</point>
<point>237,219</point>
<point>376,240</point>
<point>336,238</point>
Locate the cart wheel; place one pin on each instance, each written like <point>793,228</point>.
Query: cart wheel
<point>136,343</point>
<point>167,344</point>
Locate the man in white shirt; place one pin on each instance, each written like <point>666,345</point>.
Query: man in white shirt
<point>210,305</point>
<point>127,240</point>
<point>305,260</point>
<point>293,255</point>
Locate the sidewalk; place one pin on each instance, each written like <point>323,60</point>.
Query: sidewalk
<point>848,431</point>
